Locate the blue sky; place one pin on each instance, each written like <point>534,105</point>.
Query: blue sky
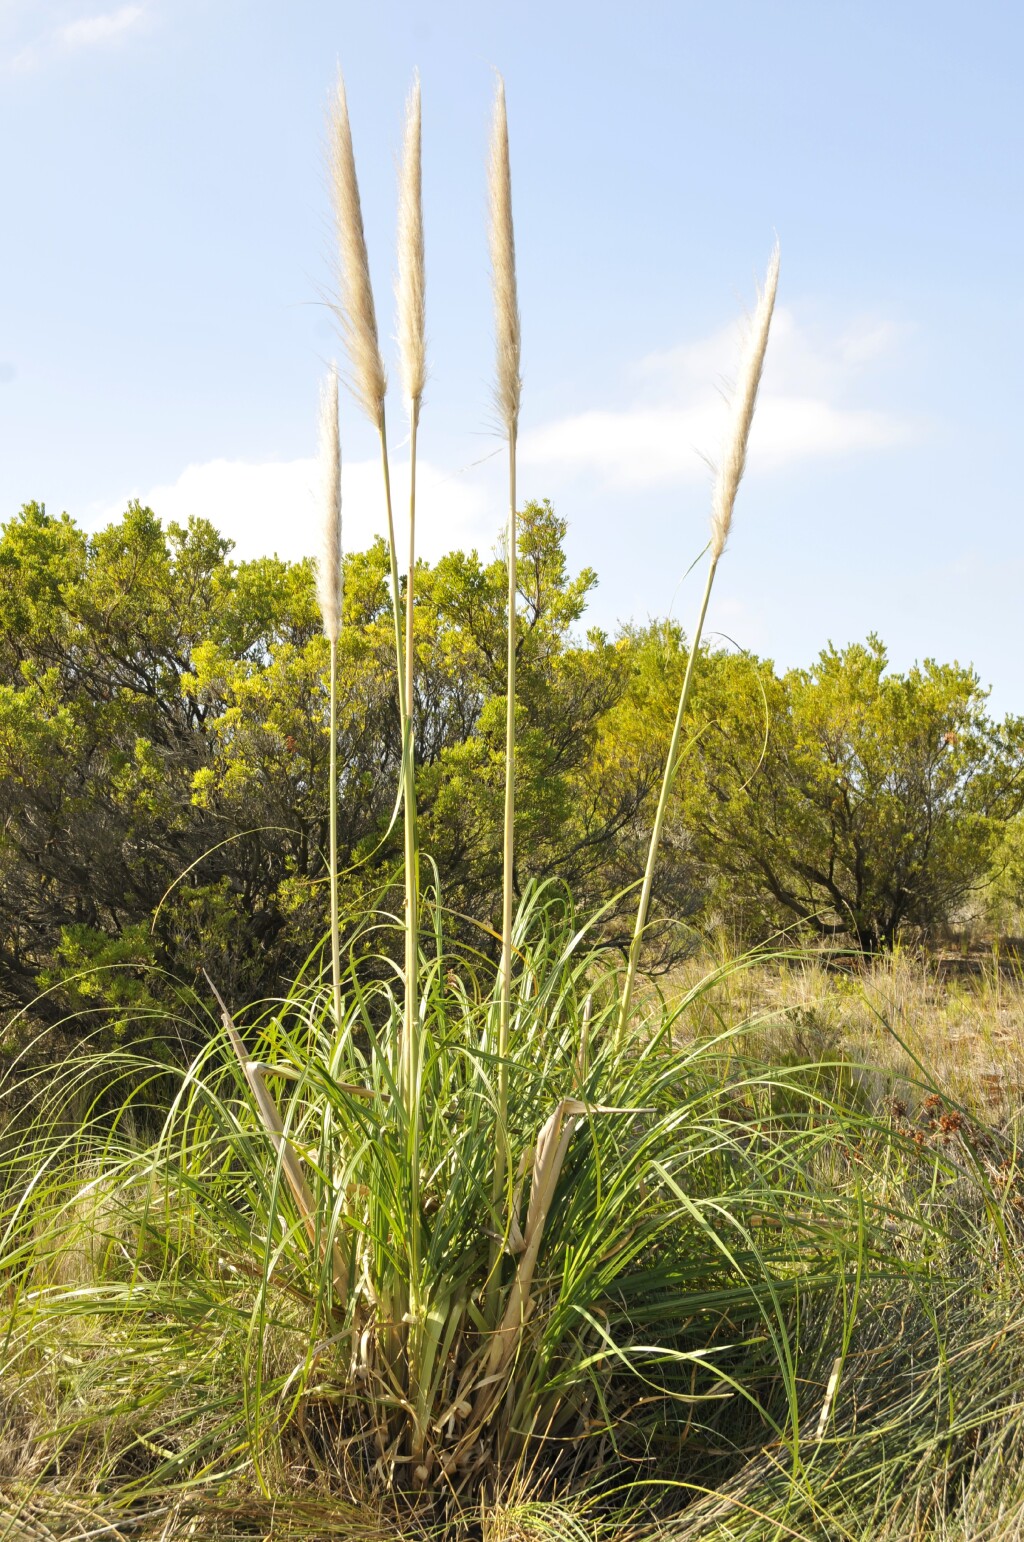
<point>167,248</point>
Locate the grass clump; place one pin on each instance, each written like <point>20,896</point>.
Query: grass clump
<point>686,1242</point>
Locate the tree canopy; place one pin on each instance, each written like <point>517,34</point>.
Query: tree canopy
<point>164,742</point>
<point>163,748</point>
<point>849,797</point>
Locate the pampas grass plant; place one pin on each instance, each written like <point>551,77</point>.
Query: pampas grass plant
<point>411,1243</point>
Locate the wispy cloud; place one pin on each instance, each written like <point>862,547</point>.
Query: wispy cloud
<point>271,506</point>
<point>811,406</point>
<point>673,427</point>
<point>102,29</point>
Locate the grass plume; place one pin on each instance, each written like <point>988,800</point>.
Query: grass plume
<point>508,384</point>
<point>356,309</point>
<point>411,285</point>
<point>358,318</point>
<point>328,567</point>
<point>734,459</point>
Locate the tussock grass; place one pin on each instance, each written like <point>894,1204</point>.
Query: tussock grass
<point>700,1236</point>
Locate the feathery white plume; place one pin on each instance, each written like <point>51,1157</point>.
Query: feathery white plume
<point>742,413</point>
<point>328,567</point>
<point>411,285</point>
<point>357,313</point>
<point>508,385</point>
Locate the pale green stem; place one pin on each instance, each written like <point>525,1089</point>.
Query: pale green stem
<point>405,1048</point>
<point>411,1046</point>
<point>508,871</point>
<point>668,781</point>
<point>414,423</point>
<point>408,791</point>
<point>335,937</point>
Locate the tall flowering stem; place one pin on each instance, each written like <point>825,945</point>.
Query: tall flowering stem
<point>369,382</point>
<point>358,318</point>
<point>411,304</point>
<point>727,482</point>
<point>507,392</point>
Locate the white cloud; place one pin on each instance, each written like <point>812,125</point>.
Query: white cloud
<point>74,36</point>
<point>666,435</point>
<point>99,29</point>
<point>675,426</point>
<point>271,506</point>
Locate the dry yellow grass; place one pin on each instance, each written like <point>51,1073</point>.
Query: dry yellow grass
<point>911,1018</point>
